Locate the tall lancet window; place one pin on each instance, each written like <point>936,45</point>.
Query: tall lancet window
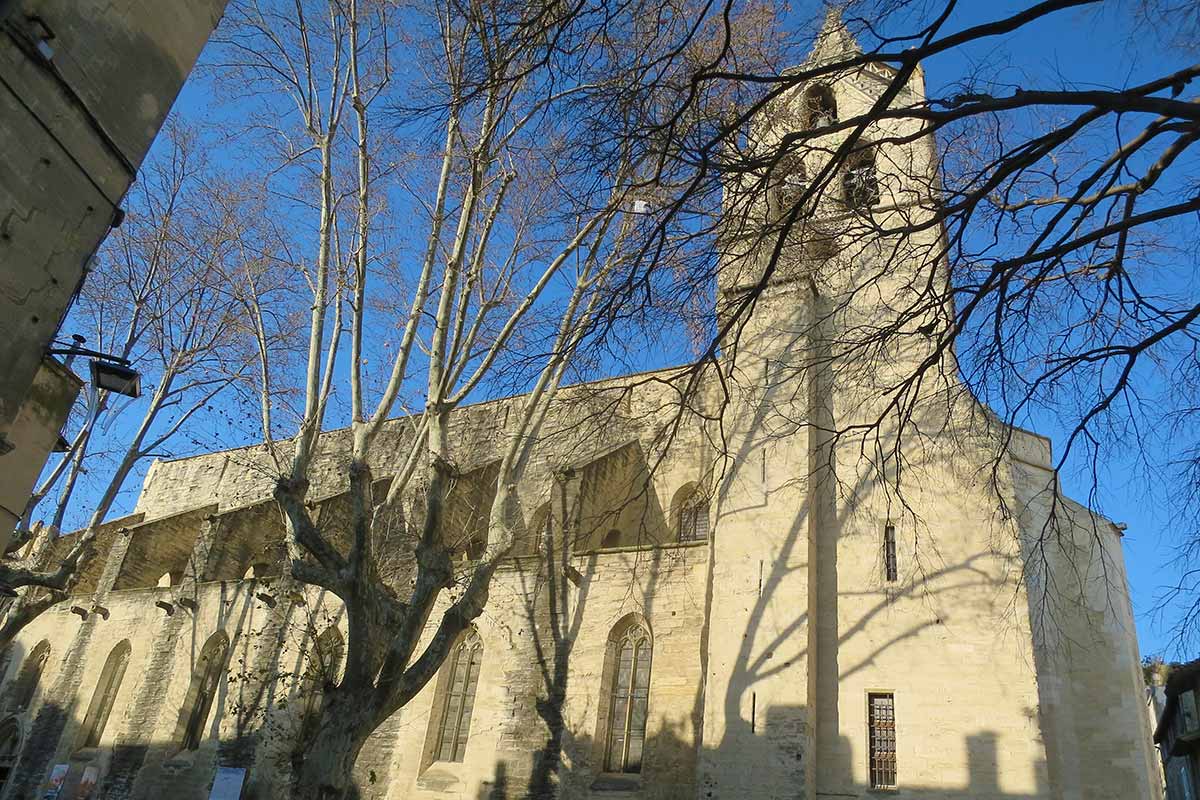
<point>628,703</point>
<point>104,696</point>
<point>206,680</point>
<point>20,693</point>
<point>788,183</point>
<point>324,668</point>
<point>461,684</point>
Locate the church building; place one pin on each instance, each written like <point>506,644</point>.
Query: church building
<point>729,594</point>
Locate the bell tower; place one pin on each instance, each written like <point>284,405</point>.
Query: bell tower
<point>808,264</point>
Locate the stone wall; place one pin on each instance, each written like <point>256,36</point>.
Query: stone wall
<point>86,86</point>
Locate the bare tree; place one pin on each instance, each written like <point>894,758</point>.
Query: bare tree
<point>161,298</point>
<point>1032,246</point>
<point>532,142</point>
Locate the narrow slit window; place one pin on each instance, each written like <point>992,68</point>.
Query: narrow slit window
<point>460,698</point>
<point>890,570</point>
<point>881,710</point>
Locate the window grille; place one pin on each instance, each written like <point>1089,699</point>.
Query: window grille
<point>882,740</point>
<point>693,519</point>
<point>890,570</point>
<point>460,698</point>
<point>629,704</point>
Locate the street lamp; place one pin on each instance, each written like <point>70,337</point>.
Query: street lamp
<point>110,373</point>
<point>114,377</point>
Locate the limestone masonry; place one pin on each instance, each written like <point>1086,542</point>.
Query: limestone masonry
<point>715,597</point>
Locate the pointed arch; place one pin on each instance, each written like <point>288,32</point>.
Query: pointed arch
<point>322,673</point>
<point>690,513</point>
<point>461,681</point>
<point>105,694</point>
<point>206,680</point>
<point>21,693</point>
<point>820,106</point>
<point>627,683</point>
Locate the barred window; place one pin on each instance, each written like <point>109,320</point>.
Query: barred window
<point>693,519</point>
<point>890,570</point>
<point>104,696</point>
<point>881,711</point>
<point>629,701</point>
<point>460,698</point>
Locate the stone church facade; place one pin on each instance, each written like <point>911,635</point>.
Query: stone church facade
<point>711,600</point>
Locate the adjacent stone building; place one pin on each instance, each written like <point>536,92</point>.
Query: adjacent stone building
<point>84,87</point>
<point>716,596</point>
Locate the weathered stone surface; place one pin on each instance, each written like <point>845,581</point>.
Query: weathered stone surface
<point>766,638</point>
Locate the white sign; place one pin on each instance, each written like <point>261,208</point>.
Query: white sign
<point>57,776</point>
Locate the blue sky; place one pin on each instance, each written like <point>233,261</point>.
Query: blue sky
<point>1091,46</point>
<point>1101,47</point>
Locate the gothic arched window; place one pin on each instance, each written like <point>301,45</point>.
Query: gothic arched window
<point>324,669</point>
<point>611,539</point>
<point>104,696</point>
<point>628,698</point>
<point>820,108</point>
<point>23,688</point>
<point>691,515</point>
<point>455,722</point>
<point>206,680</point>
<point>860,183</point>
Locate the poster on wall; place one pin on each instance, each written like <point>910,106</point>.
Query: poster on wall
<point>54,786</point>
<point>228,784</point>
<point>87,783</point>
